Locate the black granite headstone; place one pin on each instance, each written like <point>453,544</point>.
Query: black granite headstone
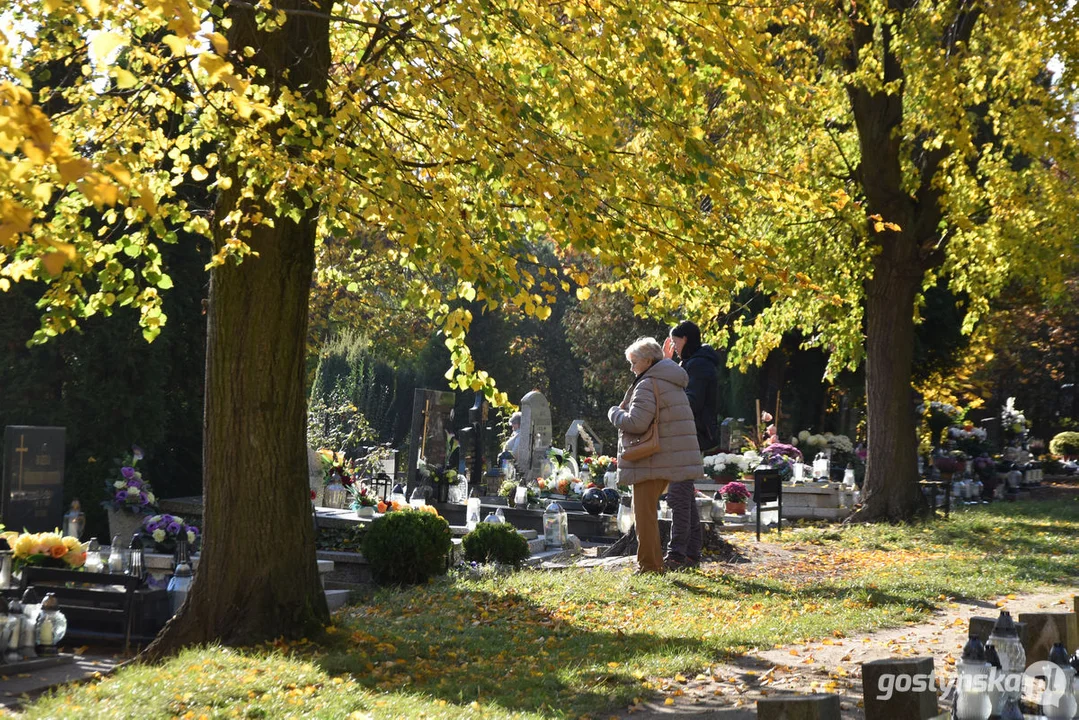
<point>32,485</point>
<point>432,419</point>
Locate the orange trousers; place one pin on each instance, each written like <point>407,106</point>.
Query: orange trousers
<point>646,517</point>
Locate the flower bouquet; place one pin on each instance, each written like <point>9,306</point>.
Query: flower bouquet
<point>47,549</point>
<point>598,465</point>
<point>165,530</point>
<point>128,492</point>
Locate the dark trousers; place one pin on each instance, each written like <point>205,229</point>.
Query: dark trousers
<point>685,521</point>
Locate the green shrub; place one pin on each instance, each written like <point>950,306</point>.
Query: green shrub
<point>407,547</point>
<point>1065,443</point>
<point>491,542</point>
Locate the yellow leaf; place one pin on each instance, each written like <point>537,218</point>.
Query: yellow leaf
<point>583,293</point>
<point>199,173</point>
<point>178,46</point>
<point>103,44</point>
<point>120,172</point>
<point>124,79</point>
<point>669,701</point>
<point>92,6</point>
<point>42,192</point>
<point>72,170</point>
<point>53,263</point>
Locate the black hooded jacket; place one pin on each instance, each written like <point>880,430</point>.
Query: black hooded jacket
<point>702,366</point>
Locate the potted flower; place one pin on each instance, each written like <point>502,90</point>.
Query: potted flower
<point>131,498</point>
<point>165,530</point>
<point>735,495</point>
<point>364,499</point>
<point>723,467</point>
<point>47,549</point>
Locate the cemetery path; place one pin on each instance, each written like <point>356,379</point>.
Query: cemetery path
<point>730,689</point>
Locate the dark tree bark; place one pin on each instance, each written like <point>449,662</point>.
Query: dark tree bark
<point>258,578</point>
<point>908,246</point>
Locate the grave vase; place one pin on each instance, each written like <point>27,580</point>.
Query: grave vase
<point>736,508</point>
<point>124,524</point>
<point>442,492</point>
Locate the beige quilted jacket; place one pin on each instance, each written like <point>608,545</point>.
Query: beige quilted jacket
<point>679,456</point>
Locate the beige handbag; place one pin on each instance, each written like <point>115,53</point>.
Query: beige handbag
<point>647,443</point>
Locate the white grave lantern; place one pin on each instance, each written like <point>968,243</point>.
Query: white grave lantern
<point>555,526</point>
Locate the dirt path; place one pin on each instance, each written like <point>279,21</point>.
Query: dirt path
<point>730,690</point>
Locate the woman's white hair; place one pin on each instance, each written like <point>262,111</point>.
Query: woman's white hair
<point>645,348</point>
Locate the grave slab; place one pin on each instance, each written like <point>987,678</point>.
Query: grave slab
<point>1046,628</point>
<point>799,707</point>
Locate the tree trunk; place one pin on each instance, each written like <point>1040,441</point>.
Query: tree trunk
<point>891,490</point>
<point>258,578</point>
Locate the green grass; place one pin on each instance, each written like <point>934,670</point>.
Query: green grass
<point>577,642</point>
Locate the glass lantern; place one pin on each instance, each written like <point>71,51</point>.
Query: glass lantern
<point>624,519</point>
<point>10,625</point>
<point>335,494</point>
<point>820,467</point>
<point>1058,699</point>
<point>520,497</point>
<point>1013,659</point>
<point>555,526</point>
<point>472,513</point>
<point>972,701</point>
<point>74,520</point>
<point>93,557</point>
<point>397,495</point>
<point>116,562</point>
<point>31,607</point>
<point>50,627</point>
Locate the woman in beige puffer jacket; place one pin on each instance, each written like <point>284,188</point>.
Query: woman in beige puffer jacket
<point>679,457</point>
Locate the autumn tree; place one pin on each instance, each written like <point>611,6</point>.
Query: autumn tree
<point>919,141</point>
<point>457,135</point>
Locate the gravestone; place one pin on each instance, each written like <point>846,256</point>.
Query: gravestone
<point>535,434</point>
<point>477,421</point>
<point>315,475</point>
<point>432,417</point>
<point>32,486</point>
<point>581,437</point>
<point>730,435</point>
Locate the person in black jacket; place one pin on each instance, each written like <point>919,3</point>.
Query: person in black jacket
<point>701,363</point>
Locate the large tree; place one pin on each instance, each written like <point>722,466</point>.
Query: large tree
<point>457,135</point>
<point>919,140</point>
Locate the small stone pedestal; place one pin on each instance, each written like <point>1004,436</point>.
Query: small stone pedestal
<point>899,689</point>
<point>799,707</point>
<point>1046,628</point>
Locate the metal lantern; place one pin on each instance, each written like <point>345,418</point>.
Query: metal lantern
<point>51,626</point>
<point>74,520</point>
<point>135,565</point>
<point>179,586</point>
<point>555,526</point>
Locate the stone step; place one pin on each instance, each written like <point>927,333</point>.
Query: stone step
<point>536,545</point>
<point>336,599</point>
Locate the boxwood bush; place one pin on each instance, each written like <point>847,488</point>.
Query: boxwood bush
<point>407,547</point>
<point>491,542</point>
<point>1065,443</point>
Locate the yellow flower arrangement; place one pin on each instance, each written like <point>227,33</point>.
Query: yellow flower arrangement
<point>46,548</point>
